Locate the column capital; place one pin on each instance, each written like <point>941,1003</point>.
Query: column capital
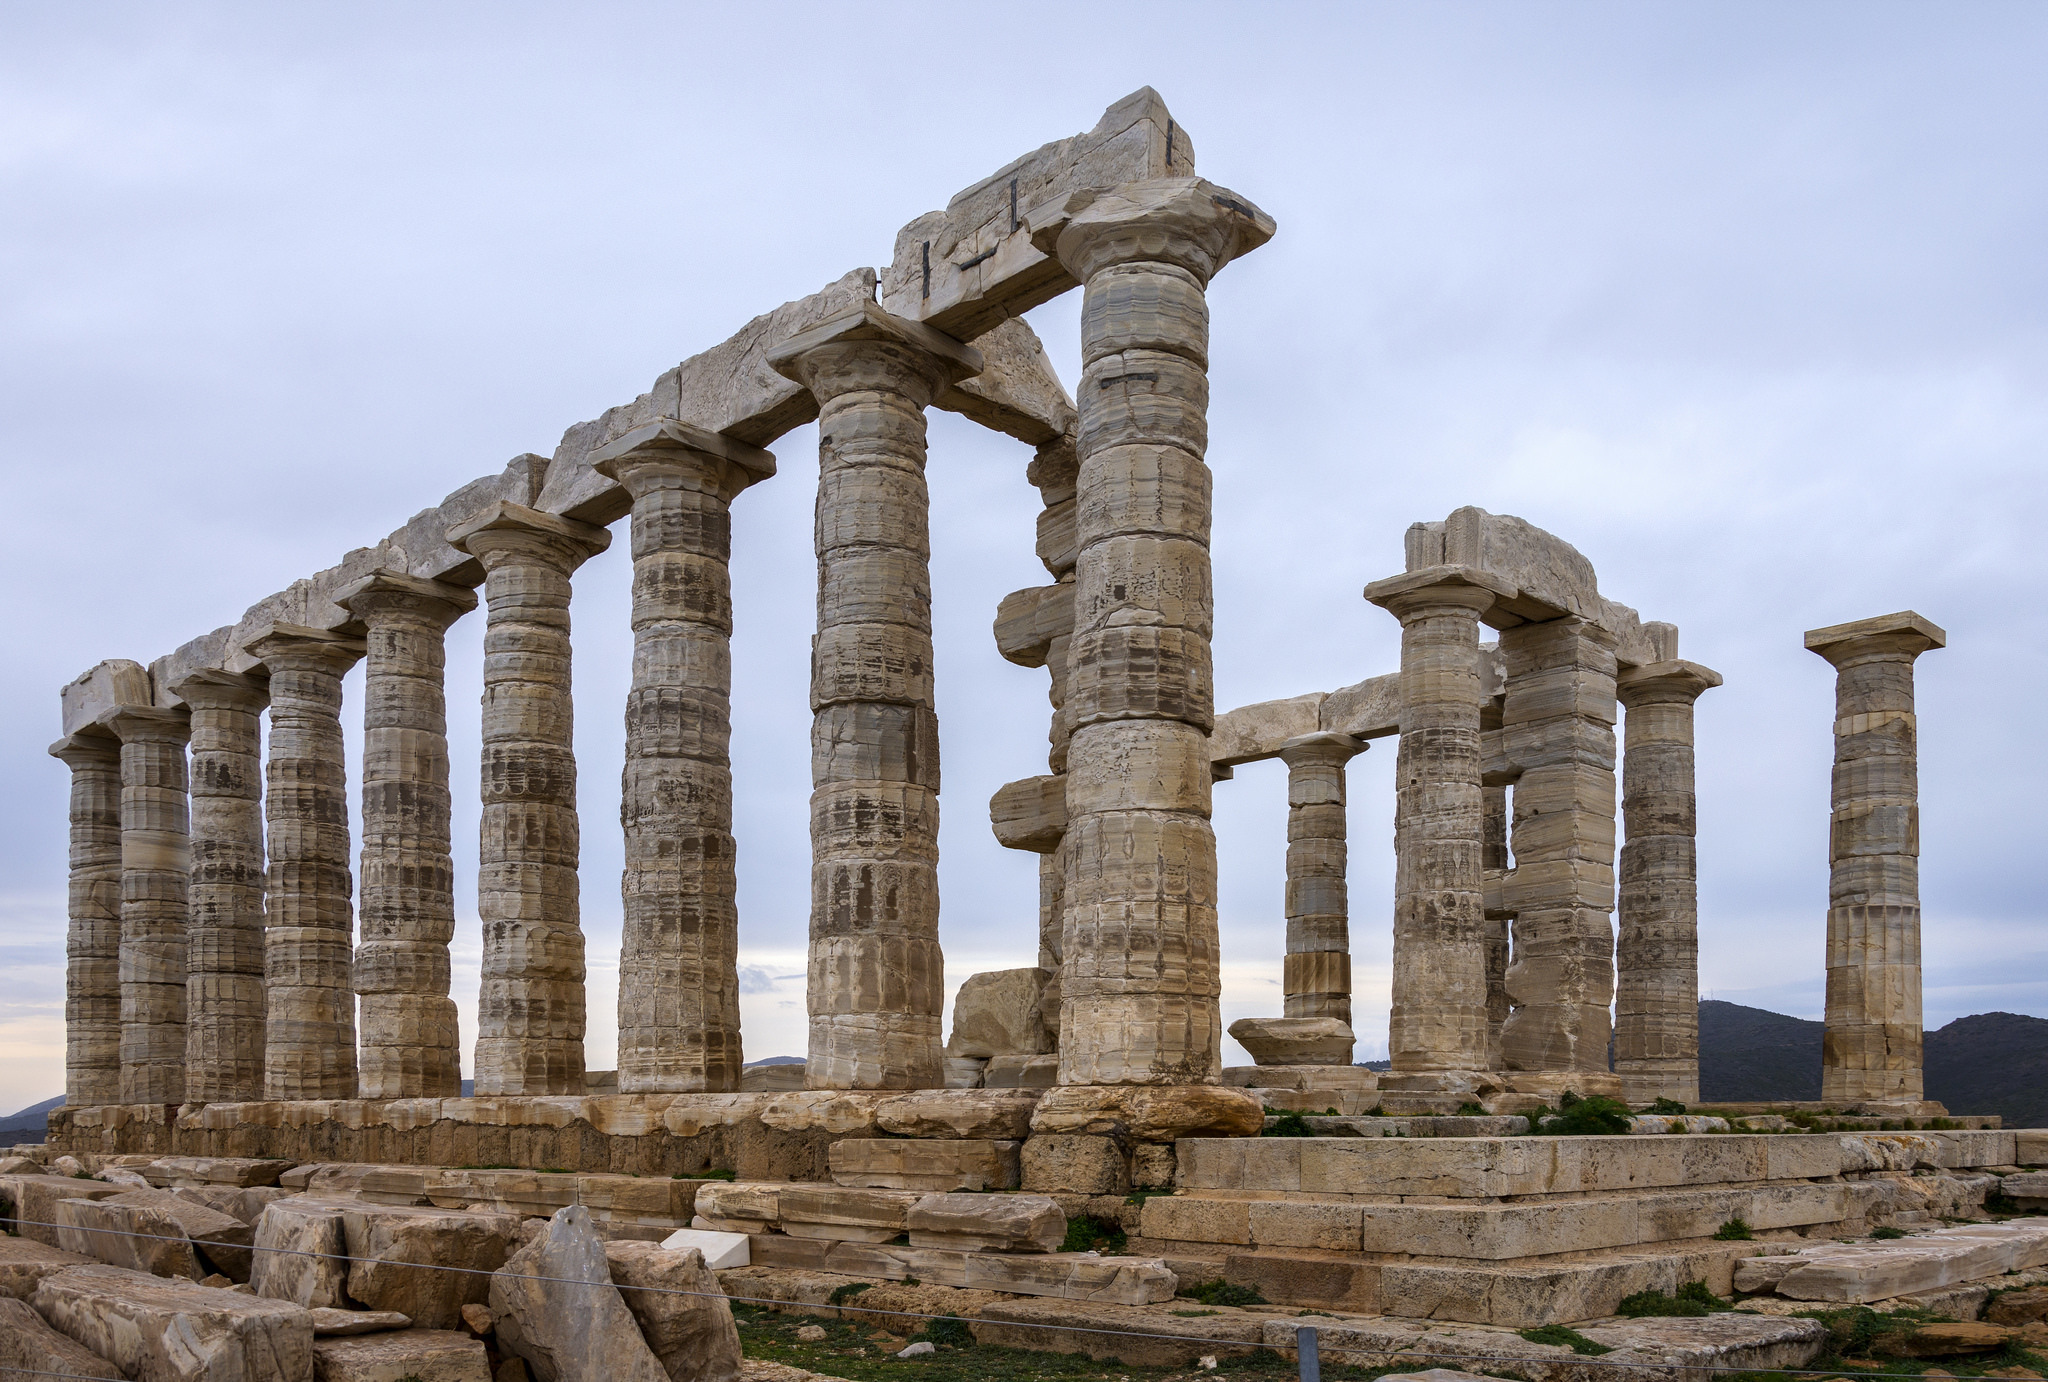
<point>89,747</point>
<point>1188,222</point>
<point>393,592</point>
<point>212,689</point>
<point>147,724</point>
<point>1414,593</point>
<point>504,529</point>
<point>1664,683</point>
<point>296,647</point>
<point>669,454</point>
<point>866,348</point>
<point>1889,637</point>
<point>1326,746</point>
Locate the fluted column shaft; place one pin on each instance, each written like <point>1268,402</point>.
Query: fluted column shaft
<point>679,1007</point>
<point>224,993</point>
<point>1438,1020</point>
<point>1140,980</point>
<point>1494,859</point>
<point>156,863</point>
<point>92,970</point>
<point>1317,970</point>
<point>1558,722</point>
<point>310,1023</point>
<point>1871,1047</point>
<point>411,1048</point>
<point>1656,999</point>
<point>530,1012</point>
<point>877,974</point>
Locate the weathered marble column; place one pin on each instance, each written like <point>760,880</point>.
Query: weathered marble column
<point>1871,1048</point>
<point>225,1008</point>
<point>530,1015</point>
<point>310,1026</point>
<point>1140,978</point>
<point>679,1005</point>
<point>1438,1020</point>
<point>92,970</point>
<point>877,975</point>
<point>1558,722</point>
<point>156,863</point>
<point>411,1048</point>
<point>1317,969</point>
<point>1657,988</point>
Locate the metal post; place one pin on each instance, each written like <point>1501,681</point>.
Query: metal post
<point>1311,1358</point>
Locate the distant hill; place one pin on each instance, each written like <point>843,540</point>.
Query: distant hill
<point>1991,1063</point>
<point>1752,1053</point>
<point>28,1125</point>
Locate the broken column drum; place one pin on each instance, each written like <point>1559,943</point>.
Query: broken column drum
<point>92,971</point>
<point>1656,1000</point>
<point>679,1010</point>
<point>530,1012</point>
<point>876,972</point>
<point>1871,1047</point>
<point>411,1048</point>
<point>156,863</point>
<point>1140,971</point>
<point>1317,969</point>
<point>225,1006</point>
<point>309,1026</point>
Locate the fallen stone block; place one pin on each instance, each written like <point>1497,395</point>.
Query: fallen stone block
<point>1285,1041</point>
<point>396,1257</point>
<point>901,1163</point>
<point>125,1178</point>
<point>1862,1272</point>
<point>682,1313</point>
<point>333,1324</point>
<point>720,1250</point>
<point>19,1166</point>
<point>431,1355</point>
<point>1951,1340</point>
<point>24,1262</point>
<point>555,1306</point>
<point>236,1172</point>
<point>301,1253</point>
<point>247,1205</point>
<point>843,1214</point>
<point>742,1206</point>
<point>159,1330</point>
<point>1727,1341</point>
<point>997,1014</point>
<point>29,1345</point>
<point>1149,1113</point>
<point>139,1238</point>
<point>1002,1115</point>
<point>221,1241</point>
<point>31,1202</point>
<point>2019,1307</point>
<point>981,1223</point>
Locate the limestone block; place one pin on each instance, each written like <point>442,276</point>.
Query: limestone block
<point>2029,1187</point>
<point>925,1164</point>
<point>1148,1113</point>
<point>1729,1341</point>
<point>1295,1040</point>
<point>1133,1337</point>
<point>964,1072</point>
<point>555,1306</point>
<point>220,1240</point>
<point>32,1202</point>
<point>1021,1072</point>
<point>1195,1219</point>
<point>719,1250</point>
<point>978,1223</point>
<point>29,1346</point>
<point>844,1214</point>
<point>2030,1146</point>
<point>1030,813</point>
<point>335,1324</point>
<point>246,1205</point>
<point>24,1262</point>
<point>1860,1272</point>
<point>2019,1307</point>
<point>1152,1166</point>
<point>680,1308</point>
<point>1003,1115</point>
<point>240,1172</point>
<point>105,687</point>
<point>751,1202</point>
<point>1060,1163</point>
<point>1330,1077</point>
<point>431,1355</point>
<point>1017,391</point>
<point>1252,732</point>
<point>178,1331</point>
<point>384,1241</point>
<point>997,1014</point>
<point>301,1254</point>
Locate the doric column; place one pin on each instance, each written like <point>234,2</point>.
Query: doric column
<point>225,1008</point>
<point>1558,722</point>
<point>156,863</point>
<point>1438,1020</point>
<point>1140,979</point>
<point>1657,989</point>
<point>1317,970</point>
<point>877,976</point>
<point>410,1045</point>
<point>92,970</point>
<point>1871,1048</point>
<point>530,1014</point>
<point>679,1006</point>
<point>309,1037</point>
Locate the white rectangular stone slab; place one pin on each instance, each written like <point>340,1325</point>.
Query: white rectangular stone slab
<point>1859,1272</point>
<point>721,1250</point>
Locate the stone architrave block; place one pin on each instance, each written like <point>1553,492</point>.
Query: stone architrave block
<point>301,1253</point>
<point>720,1251</point>
<point>843,1214</point>
<point>29,1346</point>
<point>32,1202</point>
<point>1253,732</point>
<point>24,1262</point>
<point>997,1014</point>
<point>680,1308</point>
<point>900,1163</point>
<point>985,1223</point>
<point>555,1306</point>
<point>236,1171</point>
<point>162,1330</point>
<point>1001,1115</point>
<point>394,1254</point>
<point>430,1355</point>
<point>1062,1163</point>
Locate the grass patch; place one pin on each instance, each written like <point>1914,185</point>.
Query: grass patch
<point>1693,1300</point>
<point>1222,1293</point>
<point>710,1173</point>
<point>1287,1125</point>
<point>842,1294</point>
<point>1734,1231</point>
<point>1887,1232</point>
<point>1667,1106</point>
<point>1468,1109</point>
<point>948,1331</point>
<point>1089,1233</point>
<point>1598,1116</point>
<point>1560,1337</point>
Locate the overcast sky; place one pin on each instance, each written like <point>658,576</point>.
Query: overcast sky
<point>1745,301</point>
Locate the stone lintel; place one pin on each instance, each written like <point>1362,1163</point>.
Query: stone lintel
<point>460,597</point>
<point>1383,593</point>
<point>670,434</point>
<point>281,638</point>
<point>117,681</point>
<point>866,321</point>
<point>1017,392</point>
<point>504,516</point>
<point>1677,675</point>
<point>210,683</point>
<point>1912,627</point>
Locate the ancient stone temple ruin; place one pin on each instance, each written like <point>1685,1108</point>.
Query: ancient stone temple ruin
<point>246,982</point>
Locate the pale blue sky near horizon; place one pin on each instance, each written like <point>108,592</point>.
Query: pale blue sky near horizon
<point>1745,301</point>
